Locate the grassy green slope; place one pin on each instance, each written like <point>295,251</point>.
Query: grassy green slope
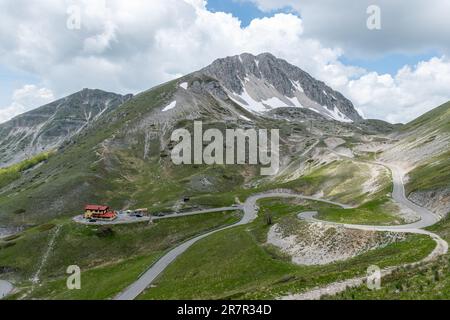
<point>433,174</point>
<point>432,280</point>
<point>74,175</point>
<point>14,172</point>
<point>105,164</point>
<point>104,256</point>
<point>340,181</point>
<point>381,211</point>
<point>436,119</point>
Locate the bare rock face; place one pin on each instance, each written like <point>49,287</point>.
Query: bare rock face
<point>274,83</point>
<point>47,127</point>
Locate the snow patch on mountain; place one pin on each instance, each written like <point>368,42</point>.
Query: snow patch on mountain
<point>248,103</point>
<point>172,105</point>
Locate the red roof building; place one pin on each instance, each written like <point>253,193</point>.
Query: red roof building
<point>93,207</point>
<point>99,212</point>
<point>108,216</point>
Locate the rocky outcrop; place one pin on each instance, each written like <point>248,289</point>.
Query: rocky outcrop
<point>274,82</point>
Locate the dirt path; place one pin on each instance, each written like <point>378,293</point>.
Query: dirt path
<point>51,243</point>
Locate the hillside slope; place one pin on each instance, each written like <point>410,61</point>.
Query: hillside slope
<point>123,160</point>
<point>49,126</point>
<point>422,150</point>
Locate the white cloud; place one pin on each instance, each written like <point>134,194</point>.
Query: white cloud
<point>25,99</point>
<point>131,46</point>
<point>407,95</point>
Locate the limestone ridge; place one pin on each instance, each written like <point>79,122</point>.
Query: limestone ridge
<point>263,83</point>
<point>49,126</point>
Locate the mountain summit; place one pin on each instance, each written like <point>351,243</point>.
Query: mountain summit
<point>264,82</point>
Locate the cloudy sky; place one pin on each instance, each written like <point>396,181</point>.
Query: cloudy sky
<point>395,73</point>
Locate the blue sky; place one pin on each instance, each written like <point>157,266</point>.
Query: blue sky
<point>390,63</point>
<point>246,11</point>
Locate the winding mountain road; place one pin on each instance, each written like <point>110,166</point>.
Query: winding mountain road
<point>250,210</point>
<point>427,218</point>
